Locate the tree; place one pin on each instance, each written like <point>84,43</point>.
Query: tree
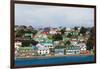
<point>30,27</point>
<point>69,35</point>
<point>28,31</point>
<point>75,28</point>
<point>49,36</point>
<point>89,44</point>
<point>34,32</point>
<point>90,41</point>
<point>83,30</point>
<point>57,37</point>
<point>22,27</point>
<point>20,33</point>
<point>67,43</point>
<point>27,43</point>
<point>92,32</point>
<point>33,42</point>
<point>63,30</point>
<point>31,31</point>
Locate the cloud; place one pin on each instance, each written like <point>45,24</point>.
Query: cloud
<point>53,16</point>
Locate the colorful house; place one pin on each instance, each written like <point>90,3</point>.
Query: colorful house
<point>59,52</point>
<point>27,51</point>
<point>28,35</point>
<point>46,30</point>
<point>56,43</point>
<point>74,42</point>
<point>40,37</point>
<point>48,44</point>
<point>83,48</point>
<point>53,31</point>
<point>73,49</point>
<point>42,50</point>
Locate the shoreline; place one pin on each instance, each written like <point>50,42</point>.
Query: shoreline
<point>43,57</point>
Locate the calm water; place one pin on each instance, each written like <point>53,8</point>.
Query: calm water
<point>55,60</point>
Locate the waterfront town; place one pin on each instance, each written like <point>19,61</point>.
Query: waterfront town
<point>48,41</point>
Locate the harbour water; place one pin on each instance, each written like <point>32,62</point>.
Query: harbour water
<point>55,60</point>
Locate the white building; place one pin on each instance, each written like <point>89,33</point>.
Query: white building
<point>42,50</point>
<point>82,46</point>
<point>52,32</point>
<point>68,29</point>
<point>73,42</point>
<point>17,45</point>
<point>73,50</point>
<point>56,43</point>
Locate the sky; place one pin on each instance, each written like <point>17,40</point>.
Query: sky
<point>53,16</point>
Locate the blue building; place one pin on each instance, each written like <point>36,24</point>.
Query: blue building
<point>59,52</point>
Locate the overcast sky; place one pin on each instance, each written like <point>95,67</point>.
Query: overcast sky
<point>53,16</point>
